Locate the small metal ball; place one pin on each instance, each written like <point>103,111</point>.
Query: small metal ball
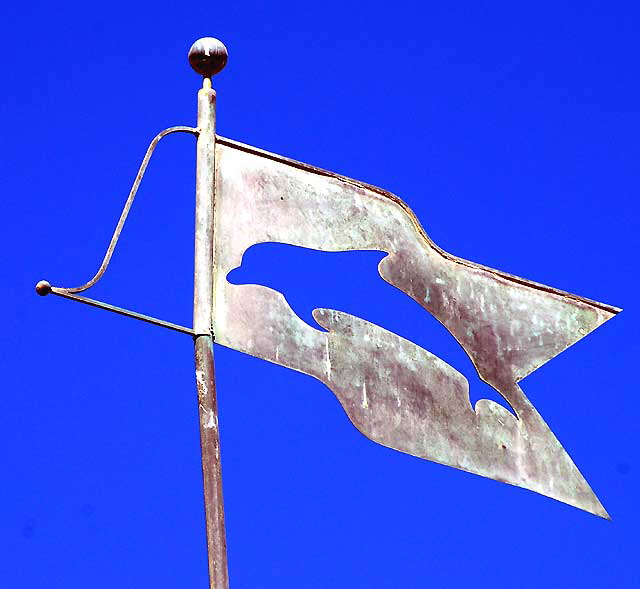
<point>43,288</point>
<point>208,56</point>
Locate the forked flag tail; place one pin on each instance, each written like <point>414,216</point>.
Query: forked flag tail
<point>395,392</point>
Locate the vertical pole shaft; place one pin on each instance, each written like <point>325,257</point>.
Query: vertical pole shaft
<point>203,339</point>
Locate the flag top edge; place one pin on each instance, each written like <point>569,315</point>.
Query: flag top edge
<point>389,195</point>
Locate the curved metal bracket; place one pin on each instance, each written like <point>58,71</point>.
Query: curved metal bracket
<point>125,210</point>
<point>44,288</point>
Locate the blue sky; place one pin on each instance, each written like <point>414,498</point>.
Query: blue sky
<point>512,131</point>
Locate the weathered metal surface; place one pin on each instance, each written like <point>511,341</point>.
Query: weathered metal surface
<point>211,463</point>
<point>395,392</point>
<point>202,327</point>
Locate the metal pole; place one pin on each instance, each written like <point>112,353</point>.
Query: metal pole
<point>207,57</point>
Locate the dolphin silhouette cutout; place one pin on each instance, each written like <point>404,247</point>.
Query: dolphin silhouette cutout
<point>395,392</point>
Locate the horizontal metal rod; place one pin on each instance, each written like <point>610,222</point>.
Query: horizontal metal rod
<point>121,311</point>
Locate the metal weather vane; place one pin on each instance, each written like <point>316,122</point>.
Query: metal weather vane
<point>395,392</point>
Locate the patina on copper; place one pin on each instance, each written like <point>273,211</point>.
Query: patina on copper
<point>395,392</point>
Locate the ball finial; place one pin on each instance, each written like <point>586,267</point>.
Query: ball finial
<point>43,288</point>
<point>208,56</point>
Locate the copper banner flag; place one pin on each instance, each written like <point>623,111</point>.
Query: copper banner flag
<point>395,392</point>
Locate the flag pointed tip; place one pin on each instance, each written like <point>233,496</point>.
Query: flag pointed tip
<point>598,511</point>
